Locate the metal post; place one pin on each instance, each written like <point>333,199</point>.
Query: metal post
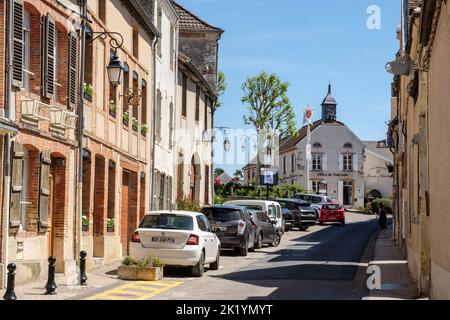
<point>83,277</point>
<point>51,284</point>
<point>83,4</point>
<point>10,294</point>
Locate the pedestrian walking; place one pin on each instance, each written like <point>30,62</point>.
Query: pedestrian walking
<point>382,217</point>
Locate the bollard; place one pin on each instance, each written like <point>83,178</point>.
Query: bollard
<point>83,277</point>
<point>10,294</point>
<point>51,285</point>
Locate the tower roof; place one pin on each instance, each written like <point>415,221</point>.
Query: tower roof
<point>329,99</point>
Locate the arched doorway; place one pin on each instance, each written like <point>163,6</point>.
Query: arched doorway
<point>194,190</point>
<point>373,195</point>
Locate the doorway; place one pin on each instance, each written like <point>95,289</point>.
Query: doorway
<point>348,193</point>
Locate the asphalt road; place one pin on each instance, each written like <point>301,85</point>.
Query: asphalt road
<point>327,262</point>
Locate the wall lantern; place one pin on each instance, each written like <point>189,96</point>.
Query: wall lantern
<point>114,69</point>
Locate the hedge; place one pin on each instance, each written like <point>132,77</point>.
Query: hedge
<point>375,205</point>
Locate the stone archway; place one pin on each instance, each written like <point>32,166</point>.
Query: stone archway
<point>374,194</point>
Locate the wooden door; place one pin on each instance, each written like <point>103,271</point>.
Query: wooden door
<point>124,208</point>
<point>50,229</point>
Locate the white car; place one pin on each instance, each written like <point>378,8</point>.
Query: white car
<point>178,238</point>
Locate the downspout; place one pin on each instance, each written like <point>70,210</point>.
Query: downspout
<point>153,149</point>
<point>8,169</point>
<point>80,129</point>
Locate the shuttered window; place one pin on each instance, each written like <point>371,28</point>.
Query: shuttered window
<point>17,45</point>
<point>72,65</point>
<point>48,56</point>
<point>16,184</point>
<point>44,190</point>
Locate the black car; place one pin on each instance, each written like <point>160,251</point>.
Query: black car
<point>266,232</point>
<point>304,216</point>
<point>233,226</point>
<point>289,219</point>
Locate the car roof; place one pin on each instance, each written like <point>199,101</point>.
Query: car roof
<point>251,202</point>
<point>175,212</point>
<point>332,203</point>
<point>297,201</point>
<point>224,206</point>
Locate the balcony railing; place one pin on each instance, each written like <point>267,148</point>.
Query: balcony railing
<point>35,110</point>
<point>63,119</point>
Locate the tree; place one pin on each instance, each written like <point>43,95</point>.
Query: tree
<point>269,107</point>
<point>220,90</point>
<point>238,174</point>
<point>218,171</point>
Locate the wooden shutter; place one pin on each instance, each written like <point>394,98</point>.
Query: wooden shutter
<point>324,162</point>
<point>44,190</point>
<point>17,44</point>
<point>16,184</point>
<point>355,163</point>
<point>341,162</point>
<point>72,74</point>
<point>48,56</point>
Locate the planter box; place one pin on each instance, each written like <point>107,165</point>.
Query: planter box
<point>140,273</point>
<point>109,229</point>
<point>85,228</point>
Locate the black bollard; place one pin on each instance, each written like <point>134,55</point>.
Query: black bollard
<point>83,277</point>
<point>51,285</point>
<point>10,294</point>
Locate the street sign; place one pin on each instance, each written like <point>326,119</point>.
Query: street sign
<point>269,177</point>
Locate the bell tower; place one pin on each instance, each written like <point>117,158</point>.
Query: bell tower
<point>329,107</point>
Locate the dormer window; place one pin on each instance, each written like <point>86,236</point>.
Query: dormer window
<point>317,145</point>
<point>348,145</point>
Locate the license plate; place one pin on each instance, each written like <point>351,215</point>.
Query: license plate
<point>332,218</point>
<point>163,239</point>
<point>222,229</point>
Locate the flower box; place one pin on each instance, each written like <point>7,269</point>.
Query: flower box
<point>136,273</point>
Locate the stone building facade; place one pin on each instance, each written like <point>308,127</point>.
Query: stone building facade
<point>418,128</point>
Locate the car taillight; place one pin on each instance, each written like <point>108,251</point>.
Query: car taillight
<point>241,227</point>
<point>135,237</point>
<point>193,240</point>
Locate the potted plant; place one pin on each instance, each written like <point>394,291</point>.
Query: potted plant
<point>125,118</point>
<point>88,92</point>
<point>110,224</point>
<point>85,223</point>
<point>112,108</point>
<point>144,130</point>
<point>134,124</point>
<point>147,269</point>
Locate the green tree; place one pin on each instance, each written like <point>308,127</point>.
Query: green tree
<point>269,107</point>
<point>220,90</point>
<point>218,171</point>
<point>238,174</point>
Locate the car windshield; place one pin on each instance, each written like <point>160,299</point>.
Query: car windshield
<point>332,206</point>
<point>222,215</point>
<point>167,221</point>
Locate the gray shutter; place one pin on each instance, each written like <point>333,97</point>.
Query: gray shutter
<point>48,56</point>
<point>44,190</point>
<point>16,184</point>
<point>17,45</point>
<point>72,80</point>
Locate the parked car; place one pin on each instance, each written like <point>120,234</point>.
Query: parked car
<point>288,217</point>
<point>303,215</point>
<point>178,238</point>
<point>316,200</point>
<point>332,212</point>
<point>266,232</point>
<point>271,208</point>
<point>234,227</point>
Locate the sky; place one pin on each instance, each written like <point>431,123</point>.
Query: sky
<point>307,43</point>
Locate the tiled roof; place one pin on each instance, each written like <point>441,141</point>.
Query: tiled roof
<point>372,146</point>
<point>190,22</point>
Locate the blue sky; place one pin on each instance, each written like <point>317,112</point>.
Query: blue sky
<point>307,43</point>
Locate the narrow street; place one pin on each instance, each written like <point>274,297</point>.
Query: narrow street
<point>326,262</point>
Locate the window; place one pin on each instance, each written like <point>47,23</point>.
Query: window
<point>201,224</point>
<point>135,106</point>
<point>293,162</point>
<point>170,125</point>
<point>348,145</point>
<point>184,98</point>
<point>317,145</point>
<point>284,165</point>
<point>89,59</point>
<point>48,57</point>
<point>144,102</point>
<point>167,221</point>
<point>315,186</point>
<point>348,162</point>
<point>126,86</point>
<point>18,43</point>
<point>158,115</point>
<point>197,103</point>
<point>159,26</point>
<point>135,43</point>
<point>316,162</point>
<point>102,10</point>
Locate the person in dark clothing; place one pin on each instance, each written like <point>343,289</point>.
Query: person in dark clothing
<point>382,217</point>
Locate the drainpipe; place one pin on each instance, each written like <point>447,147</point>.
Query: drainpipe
<point>8,169</point>
<point>152,185</point>
<point>83,5</point>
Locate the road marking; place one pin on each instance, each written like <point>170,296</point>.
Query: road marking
<point>138,290</point>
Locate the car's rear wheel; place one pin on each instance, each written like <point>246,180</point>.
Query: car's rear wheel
<point>276,241</point>
<point>199,268</point>
<point>215,265</point>
<point>258,243</point>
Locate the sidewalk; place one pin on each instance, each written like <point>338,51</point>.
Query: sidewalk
<point>396,282</point>
<point>98,279</point>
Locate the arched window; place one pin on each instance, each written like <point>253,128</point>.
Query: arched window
<point>348,145</point>
<point>317,145</point>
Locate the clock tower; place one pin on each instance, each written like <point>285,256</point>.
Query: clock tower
<point>329,107</point>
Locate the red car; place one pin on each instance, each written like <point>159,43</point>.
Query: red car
<point>332,212</point>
